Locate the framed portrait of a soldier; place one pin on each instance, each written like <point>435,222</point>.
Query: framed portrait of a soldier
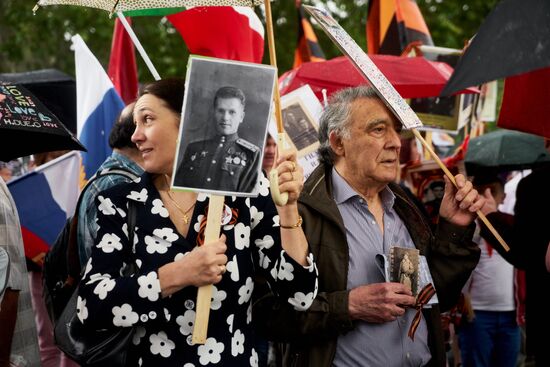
<point>300,127</point>
<point>226,110</point>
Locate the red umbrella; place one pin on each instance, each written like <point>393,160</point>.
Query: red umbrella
<point>412,77</point>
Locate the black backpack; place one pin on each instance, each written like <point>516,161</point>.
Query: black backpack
<point>61,271</point>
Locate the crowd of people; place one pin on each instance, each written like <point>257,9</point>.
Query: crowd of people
<point>297,284</point>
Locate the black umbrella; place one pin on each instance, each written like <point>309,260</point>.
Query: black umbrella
<point>504,150</point>
<point>513,39</point>
<point>28,127</point>
<point>55,89</point>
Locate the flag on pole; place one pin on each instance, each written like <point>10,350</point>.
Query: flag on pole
<point>227,32</point>
<point>393,24</point>
<point>97,106</point>
<point>45,199</point>
<point>308,48</point>
<point>525,104</point>
<point>122,63</point>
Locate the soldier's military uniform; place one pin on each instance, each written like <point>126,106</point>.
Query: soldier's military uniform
<point>226,163</point>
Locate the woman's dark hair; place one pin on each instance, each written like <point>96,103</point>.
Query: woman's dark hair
<point>170,90</point>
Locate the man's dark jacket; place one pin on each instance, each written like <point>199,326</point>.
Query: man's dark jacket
<point>311,336</point>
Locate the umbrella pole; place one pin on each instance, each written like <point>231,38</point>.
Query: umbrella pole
<point>452,178</point>
<point>138,45</point>
<point>278,197</point>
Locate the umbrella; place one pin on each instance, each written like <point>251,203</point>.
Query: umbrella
<point>412,77</point>
<point>28,127</point>
<point>55,89</point>
<point>513,39</point>
<point>505,150</point>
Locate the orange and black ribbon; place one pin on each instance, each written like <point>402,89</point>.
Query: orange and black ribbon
<point>423,297</point>
<point>202,225</point>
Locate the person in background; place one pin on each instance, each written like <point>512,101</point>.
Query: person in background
<point>18,334</point>
<point>125,156</point>
<point>492,337</point>
<point>352,210</point>
<point>6,171</point>
<point>270,152</point>
<point>529,240</point>
<point>173,260</point>
<point>50,355</point>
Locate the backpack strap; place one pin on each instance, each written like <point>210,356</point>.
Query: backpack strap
<point>73,259</point>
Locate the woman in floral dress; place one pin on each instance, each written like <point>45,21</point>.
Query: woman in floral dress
<point>257,237</point>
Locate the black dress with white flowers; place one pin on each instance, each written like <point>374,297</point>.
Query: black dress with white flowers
<point>164,325</point>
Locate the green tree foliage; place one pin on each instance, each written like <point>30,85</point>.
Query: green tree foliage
<point>30,42</point>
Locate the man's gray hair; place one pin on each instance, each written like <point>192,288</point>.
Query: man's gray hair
<point>336,117</point>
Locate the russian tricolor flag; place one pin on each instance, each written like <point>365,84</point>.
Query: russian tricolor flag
<point>98,105</point>
<point>45,198</point>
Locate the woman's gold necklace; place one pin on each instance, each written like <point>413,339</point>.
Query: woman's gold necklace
<point>186,218</point>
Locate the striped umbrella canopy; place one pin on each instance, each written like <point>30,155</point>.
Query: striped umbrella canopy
<point>131,5</point>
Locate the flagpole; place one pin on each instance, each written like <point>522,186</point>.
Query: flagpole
<point>138,45</point>
<point>278,197</point>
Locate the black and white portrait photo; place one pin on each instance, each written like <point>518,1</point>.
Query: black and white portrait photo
<point>300,127</point>
<point>225,114</point>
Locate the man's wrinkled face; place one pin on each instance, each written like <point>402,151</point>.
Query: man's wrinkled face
<point>229,114</point>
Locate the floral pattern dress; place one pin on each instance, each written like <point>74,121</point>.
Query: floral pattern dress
<point>164,325</point>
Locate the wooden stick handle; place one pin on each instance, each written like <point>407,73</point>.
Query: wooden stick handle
<point>204,295</point>
<point>273,60</point>
<point>452,178</point>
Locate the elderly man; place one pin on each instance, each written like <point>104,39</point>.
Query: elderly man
<point>352,210</point>
<point>225,162</point>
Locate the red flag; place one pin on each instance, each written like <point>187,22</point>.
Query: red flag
<point>525,105</point>
<point>122,64</point>
<point>393,24</point>
<point>227,32</point>
<point>308,48</point>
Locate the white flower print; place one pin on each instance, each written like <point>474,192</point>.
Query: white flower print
<point>109,242</point>
<point>149,286</point>
<point>285,270</point>
<point>161,240</point>
<point>88,267</point>
<point>138,196</point>
<point>202,197</point>
<point>210,352</point>
<point>263,186</point>
<point>197,225</point>
<point>189,365</point>
<point>229,321</point>
<point>233,268</point>
<point>160,344</point>
<point>242,236</point>
<point>104,287</point>
<point>264,243</point>
<point>249,314</point>
<point>237,343</point>
<point>167,314</point>
<point>124,316</point>
<point>273,271</point>
<point>106,206</point>
<point>186,322</point>
<point>138,334</point>
<point>217,297</point>
<point>275,221</point>
<point>246,291</point>
<point>158,208</point>
<point>180,256</point>
<point>254,358</point>
<point>300,301</point>
<point>121,212</point>
<point>81,309</point>
<point>255,216</point>
<point>247,202</point>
